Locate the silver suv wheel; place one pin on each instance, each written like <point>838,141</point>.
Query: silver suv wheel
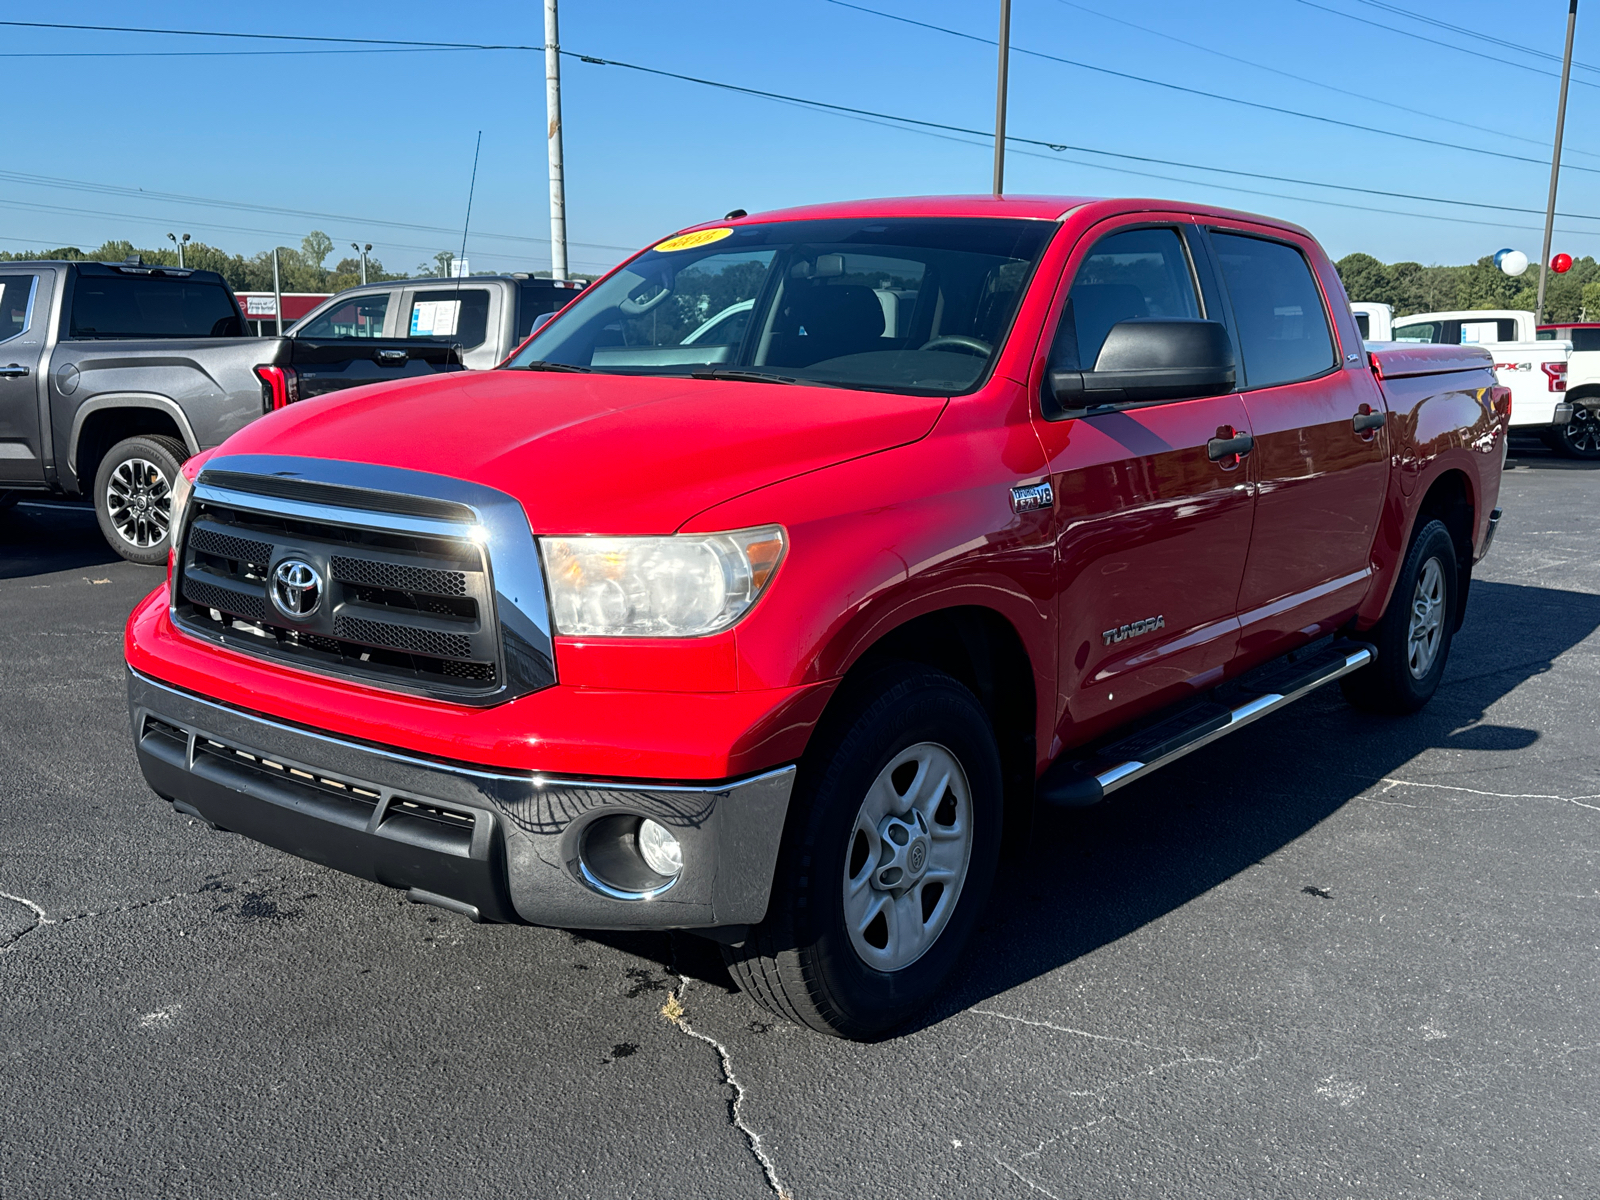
<point>908,857</point>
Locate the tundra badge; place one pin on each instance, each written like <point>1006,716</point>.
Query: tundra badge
<point>1032,497</point>
<point>1123,632</point>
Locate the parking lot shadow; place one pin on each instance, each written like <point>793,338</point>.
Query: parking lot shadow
<point>40,538</point>
<point>1092,876</point>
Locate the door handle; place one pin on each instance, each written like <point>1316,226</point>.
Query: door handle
<point>1366,420</point>
<point>1228,444</point>
<point>14,371</point>
<point>391,358</point>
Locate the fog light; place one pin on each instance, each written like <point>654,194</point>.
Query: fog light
<point>659,849</point>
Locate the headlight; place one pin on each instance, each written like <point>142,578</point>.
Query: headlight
<point>683,586</point>
<point>182,489</point>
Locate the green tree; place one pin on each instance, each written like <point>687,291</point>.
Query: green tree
<point>315,248</point>
<point>444,258</point>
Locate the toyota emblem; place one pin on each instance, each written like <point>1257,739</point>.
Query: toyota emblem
<point>296,589</point>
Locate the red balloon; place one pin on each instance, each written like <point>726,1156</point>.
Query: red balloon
<point>1561,264</point>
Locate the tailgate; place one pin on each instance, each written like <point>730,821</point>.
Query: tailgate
<point>330,364</point>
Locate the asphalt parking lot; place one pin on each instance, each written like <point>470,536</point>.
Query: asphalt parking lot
<point>1332,956</point>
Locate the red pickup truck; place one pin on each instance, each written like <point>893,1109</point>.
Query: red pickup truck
<point>767,589</point>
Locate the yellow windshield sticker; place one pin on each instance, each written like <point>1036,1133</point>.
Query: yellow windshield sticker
<point>689,241</point>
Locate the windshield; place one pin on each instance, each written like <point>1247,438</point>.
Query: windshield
<point>918,305</point>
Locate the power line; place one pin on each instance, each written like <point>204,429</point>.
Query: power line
<point>1178,87</point>
<point>1494,58</point>
<point>220,53</point>
<point>919,125</point>
<point>240,205</point>
<point>1494,40</point>
<point>1363,96</point>
<point>269,37</point>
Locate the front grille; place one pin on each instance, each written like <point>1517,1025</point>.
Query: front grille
<point>395,609</point>
<point>398,578</point>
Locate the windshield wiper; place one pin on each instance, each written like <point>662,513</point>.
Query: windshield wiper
<point>541,364</point>
<point>741,376</point>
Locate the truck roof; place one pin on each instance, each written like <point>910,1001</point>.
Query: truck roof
<point>116,268</point>
<point>1046,208</point>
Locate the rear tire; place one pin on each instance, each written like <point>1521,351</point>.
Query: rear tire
<point>1413,636</point>
<point>1579,437</point>
<point>133,496</point>
<point>892,842</point>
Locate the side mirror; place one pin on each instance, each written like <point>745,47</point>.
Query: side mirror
<point>1149,359</point>
<point>540,322</point>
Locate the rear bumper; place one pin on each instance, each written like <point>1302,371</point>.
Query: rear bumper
<point>498,846</point>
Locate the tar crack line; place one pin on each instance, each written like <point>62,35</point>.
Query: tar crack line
<point>674,1011</point>
<point>39,919</point>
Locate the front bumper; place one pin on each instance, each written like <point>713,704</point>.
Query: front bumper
<point>496,846</point>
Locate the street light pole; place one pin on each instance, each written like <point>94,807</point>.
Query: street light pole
<point>277,292</point>
<point>356,246</point>
<point>1000,97</point>
<point>1555,158</point>
<point>173,238</point>
<point>552,101</point>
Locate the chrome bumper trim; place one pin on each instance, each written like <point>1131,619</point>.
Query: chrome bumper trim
<point>526,828</point>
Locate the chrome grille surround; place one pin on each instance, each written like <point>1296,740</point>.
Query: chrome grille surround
<point>442,594</point>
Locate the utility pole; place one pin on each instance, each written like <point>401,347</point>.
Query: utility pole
<point>1000,98</point>
<point>363,251</point>
<point>173,238</point>
<point>277,292</point>
<point>552,102</point>
<point>1555,158</point>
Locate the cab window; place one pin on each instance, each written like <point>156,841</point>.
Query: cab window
<point>1128,275</point>
<point>359,317</point>
<point>1277,306</point>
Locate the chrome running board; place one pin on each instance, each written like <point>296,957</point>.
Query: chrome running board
<point>1077,782</point>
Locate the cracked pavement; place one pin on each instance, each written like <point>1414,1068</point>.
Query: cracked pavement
<point>1331,956</point>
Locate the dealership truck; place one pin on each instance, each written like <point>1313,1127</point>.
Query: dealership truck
<point>113,374</point>
<point>781,634</point>
<point>1533,366</point>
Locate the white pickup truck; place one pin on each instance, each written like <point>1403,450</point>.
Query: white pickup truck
<point>1579,437</point>
<point>1375,321</point>
<point>1532,366</point>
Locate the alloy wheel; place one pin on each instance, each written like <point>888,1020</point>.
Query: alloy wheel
<point>907,857</point>
<point>139,502</point>
<point>1582,432</point>
<point>1426,630</point>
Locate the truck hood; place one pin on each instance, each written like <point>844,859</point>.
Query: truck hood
<point>602,454</point>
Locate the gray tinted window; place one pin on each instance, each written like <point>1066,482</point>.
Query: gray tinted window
<point>1283,328</point>
<point>136,306</point>
<point>1136,273</point>
<point>16,299</point>
<point>536,301</point>
<point>358,317</point>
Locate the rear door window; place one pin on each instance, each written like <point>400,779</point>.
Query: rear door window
<point>358,317</point>
<point>1128,275</point>
<point>1277,306</point>
<point>458,315</point>
<point>141,306</point>
<point>535,302</point>
<point>16,304</point>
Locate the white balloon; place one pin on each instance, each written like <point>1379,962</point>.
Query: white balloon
<point>1514,263</point>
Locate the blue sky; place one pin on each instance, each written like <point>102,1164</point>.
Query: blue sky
<point>389,136</point>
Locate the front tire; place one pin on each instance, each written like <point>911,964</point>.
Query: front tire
<point>891,848</point>
<point>1413,636</point>
<point>1579,437</point>
<point>133,496</point>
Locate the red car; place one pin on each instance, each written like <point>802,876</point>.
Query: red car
<point>776,579</point>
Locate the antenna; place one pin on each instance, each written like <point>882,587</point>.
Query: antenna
<point>466,225</point>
